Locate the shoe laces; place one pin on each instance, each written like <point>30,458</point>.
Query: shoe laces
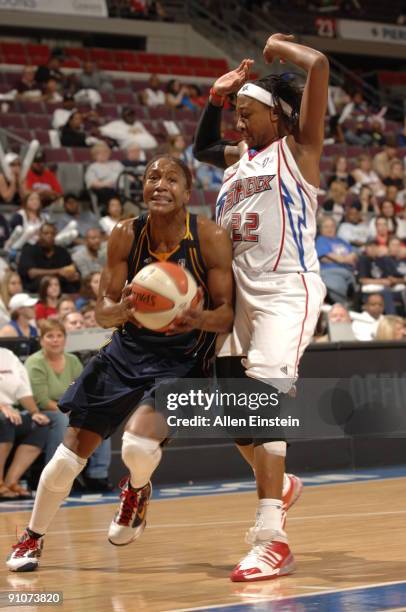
<point>26,543</point>
<point>129,499</point>
<point>253,556</point>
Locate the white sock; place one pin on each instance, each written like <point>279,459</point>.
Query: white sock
<point>54,485</point>
<point>142,456</point>
<point>268,522</point>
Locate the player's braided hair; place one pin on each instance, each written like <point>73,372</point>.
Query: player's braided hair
<point>176,160</point>
<point>283,87</point>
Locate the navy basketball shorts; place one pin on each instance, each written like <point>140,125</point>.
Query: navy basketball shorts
<point>121,377</point>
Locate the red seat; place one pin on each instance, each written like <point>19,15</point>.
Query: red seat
<point>23,133</point>
<point>220,64</point>
<point>15,48</point>
<point>184,70</point>
<point>57,156</point>
<point>174,60</point>
<point>120,84</point>
<point>123,98</point>
<point>104,55</point>
<point>125,57</point>
<point>81,155</point>
<point>11,120</point>
<point>15,59</point>
<point>108,65</point>
<point>160,112</point>
<point>78,52</point>
<point>196,62</point>
<point>72,63</point>
<point>195,198</point>
<point>35,122</point>
<point>210,199</point>
<point>27,106</point>
<point>108,110</point>
<point>149,58</point>
<point>118,155</point>
<point>42,136</point>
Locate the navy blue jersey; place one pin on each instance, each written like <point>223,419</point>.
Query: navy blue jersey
<point>196,345</point>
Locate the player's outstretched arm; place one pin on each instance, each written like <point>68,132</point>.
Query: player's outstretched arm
<point>111,309</point>
<point>217,253</point>
<point>209,147</point>
<point>314,99</point>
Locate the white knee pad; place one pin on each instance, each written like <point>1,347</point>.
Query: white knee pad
<point>59,473</point>
<point>275,448</point>
<point>141,456</point>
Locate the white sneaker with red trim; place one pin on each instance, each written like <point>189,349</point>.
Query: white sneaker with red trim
<point>264,561</point>
<point>291,495</point>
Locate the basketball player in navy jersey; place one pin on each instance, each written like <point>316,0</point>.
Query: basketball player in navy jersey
<point>268,205</point>
<point>121,380</point>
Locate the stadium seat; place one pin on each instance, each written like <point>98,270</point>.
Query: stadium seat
<point>41,122</point>
<point>81,155</point>
<point>11,120</point>
<point>57,155</point>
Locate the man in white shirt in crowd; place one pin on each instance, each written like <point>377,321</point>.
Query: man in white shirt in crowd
<point>364,325</point>
<point>153,95</point>
<point>127,131</point>
<point>353,230</point>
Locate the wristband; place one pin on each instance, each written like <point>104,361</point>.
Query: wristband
<point>216,97</point>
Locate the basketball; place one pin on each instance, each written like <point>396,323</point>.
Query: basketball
<point>161,291</point>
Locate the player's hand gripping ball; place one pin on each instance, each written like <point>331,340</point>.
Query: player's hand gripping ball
<point>160,292</point>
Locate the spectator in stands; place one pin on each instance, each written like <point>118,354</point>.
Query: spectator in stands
<point>89,289</point>
<point>21,307</point>
<point>26,222</point>
<point>11,190</point>
<point>398,255</point>
<point>10,285</point>
<point>382,160</point>
<point>395,196</point>
<point>89,315</point>
<point>396,175</point>
<point>364,175</point>
<point>376,131</point>
<point>61,115</point>
<point>49,294</point>
<point>337,261</point>
<point>377,273</point>
<point>4,231</point>
<point>390,328</point>
<point>128,130</point>
<point>27,428</point>
<point>43,180</point>
<point>340,172</point>
<point>44,258</point>
<point>101,176</point>
<point>365,325</point>
<point>378,231</point>
<point>27,87</point>
<point>177,147</point>
<point>209,177</point>
<point>51,371</point>
<point>135,159</point>
<point>357,108</point>
<point>73,321</point>
<point>90,257</point>
<point>114,214</point>
<point>153,95</point>
<point>65,306</point>
<point>367,202</point>
<point>334,205</point>
<point>51,92</point>
<point>196,97</point>
<point>92,78</point>
<point>401,139</point>
<point>72,132</point>
<point>177,95</point>
<point>353,230</point>
<point>75,216</point>
<point>52,69</point>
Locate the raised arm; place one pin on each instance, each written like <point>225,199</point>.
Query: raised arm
<point>314,99</point>
<point>209,147</point>
<point>111,309</point>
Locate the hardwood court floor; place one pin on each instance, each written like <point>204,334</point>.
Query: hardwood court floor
<point>342,535</point>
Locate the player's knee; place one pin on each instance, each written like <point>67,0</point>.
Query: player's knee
<point>277,448</point>
<point>59,473</point>
<point>139,453</point>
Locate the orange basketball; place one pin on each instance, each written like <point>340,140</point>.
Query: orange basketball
<point>161,291</point>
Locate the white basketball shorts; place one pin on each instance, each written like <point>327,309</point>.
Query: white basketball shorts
<point>275,318</point>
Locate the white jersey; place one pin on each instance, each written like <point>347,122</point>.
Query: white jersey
<point>269,210</point>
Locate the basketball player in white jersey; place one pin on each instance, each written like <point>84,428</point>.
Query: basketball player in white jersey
<point>268,204</point>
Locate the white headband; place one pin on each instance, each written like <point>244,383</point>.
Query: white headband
<point>253,91</point>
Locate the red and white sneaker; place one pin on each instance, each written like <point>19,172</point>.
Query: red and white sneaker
<point>264,561</point>
<point>129,522</point>
<point>291,495</point>
<point>25,554</point>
